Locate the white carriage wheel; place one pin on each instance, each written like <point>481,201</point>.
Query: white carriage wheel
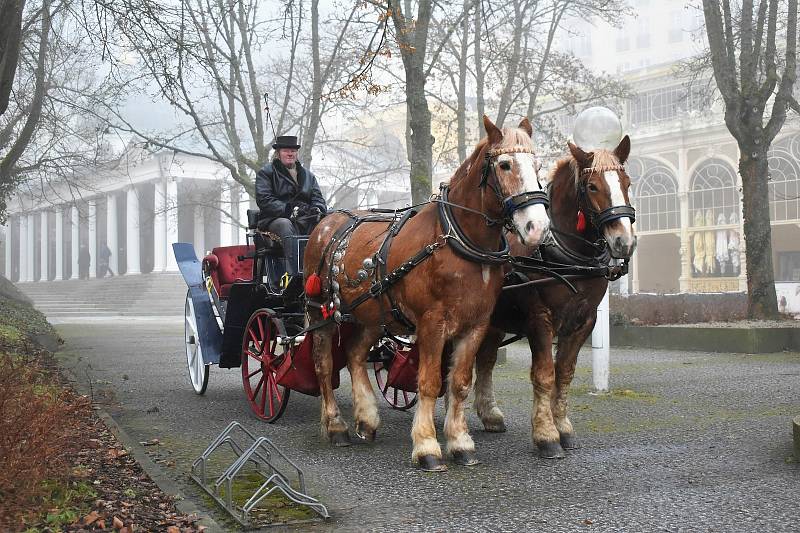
<point>198,369</point>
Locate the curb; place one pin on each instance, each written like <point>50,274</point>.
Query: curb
<point>156,473</point>
<point>708,339</point>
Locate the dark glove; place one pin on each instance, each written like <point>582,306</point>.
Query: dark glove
<point>288,210</point>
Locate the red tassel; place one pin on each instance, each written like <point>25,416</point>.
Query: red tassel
<point>313,285</point>
<point>580,225</point>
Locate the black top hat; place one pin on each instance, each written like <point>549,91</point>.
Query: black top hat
<point>286,141</point>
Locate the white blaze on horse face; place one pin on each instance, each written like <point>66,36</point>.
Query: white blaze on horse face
<point>619,235</point>
<point>530,222</point>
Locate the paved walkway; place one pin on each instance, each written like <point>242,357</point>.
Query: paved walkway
<point>689,441</point>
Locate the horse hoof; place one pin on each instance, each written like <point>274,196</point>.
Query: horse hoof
<point>365,433</point>
<point>340,439</point>
<point>569,441</point>
<point>550,450</point>
<point>465,458</point>
<point>495,427</point>
<point>431,463</point>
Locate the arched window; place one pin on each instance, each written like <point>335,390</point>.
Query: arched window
<point>655,195</point>
<point>784,184</point>
<point>713,198</point>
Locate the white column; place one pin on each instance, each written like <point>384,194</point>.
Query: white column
<point>132,231</point>
<point>244,205</point>
<point>7,261</point>
<point>199,239</point>
<point>93,238</point>
<point>600,342</point>
<point>44,243</point>
<point>172,223</point>
<point>160,228</point>
<point>59,258</point>
<point>225,206</point>
<point>29,249</point>
<point>23,253</point>
<point>76,240</point>
<point>111,232</point>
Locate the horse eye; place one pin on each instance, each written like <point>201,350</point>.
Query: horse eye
<point>505,165</point>
<point>592,187</point>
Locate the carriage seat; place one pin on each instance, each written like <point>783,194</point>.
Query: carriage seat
<point>225,268</point>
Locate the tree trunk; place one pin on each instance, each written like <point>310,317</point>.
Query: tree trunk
<point>479,75</point>
<point>413,46</point>
<point>316,88</point>
<point>461,110</point>
<point>761,301</point>
<point>421,138</point>
<point>10,40</point>
<point>513,65</point>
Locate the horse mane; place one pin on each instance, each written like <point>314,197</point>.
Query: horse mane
<point>511,137</point>
<point>601,159</point>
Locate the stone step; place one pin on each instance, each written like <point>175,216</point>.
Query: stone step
<point>147,295</point>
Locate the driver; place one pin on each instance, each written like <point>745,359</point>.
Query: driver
<point>287,194</point>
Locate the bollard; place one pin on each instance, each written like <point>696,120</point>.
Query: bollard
<point>501,355</point>
<point>600,345</point>
<point>796,424</point>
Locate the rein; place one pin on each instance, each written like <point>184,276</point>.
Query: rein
<point>458,240</point>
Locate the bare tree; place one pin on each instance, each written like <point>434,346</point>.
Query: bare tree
<point>412,38</point>
<point>752,68</point>
<point>10,39</point>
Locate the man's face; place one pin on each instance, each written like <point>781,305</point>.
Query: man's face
<point>288,156</point>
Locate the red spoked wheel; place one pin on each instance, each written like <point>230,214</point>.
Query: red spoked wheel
<point>397,398</point>
<point>261,357</point>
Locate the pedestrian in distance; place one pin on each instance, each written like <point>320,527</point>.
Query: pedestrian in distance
<point>104,261</point>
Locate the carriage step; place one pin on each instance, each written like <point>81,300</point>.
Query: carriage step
<point>255,457</point>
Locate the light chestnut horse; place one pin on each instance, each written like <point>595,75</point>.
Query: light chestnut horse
<point>597,185</point>
<point>447,297</point>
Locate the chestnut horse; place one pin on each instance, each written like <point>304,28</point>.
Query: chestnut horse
<point>448,297</point>
<point>596,185</point>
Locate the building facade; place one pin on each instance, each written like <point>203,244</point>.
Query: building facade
<point>137,208</point>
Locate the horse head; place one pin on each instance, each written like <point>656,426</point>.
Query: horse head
<point>511,169</point>
<point>602,186</point>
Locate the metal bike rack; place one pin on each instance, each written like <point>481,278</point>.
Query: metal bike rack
<point>260,454</point>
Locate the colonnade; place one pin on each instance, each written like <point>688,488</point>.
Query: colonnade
<point>23,237</point>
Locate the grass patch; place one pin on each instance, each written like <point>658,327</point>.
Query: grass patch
<point>23,318</point>
<point>65,503</point>
<point>275,508</point>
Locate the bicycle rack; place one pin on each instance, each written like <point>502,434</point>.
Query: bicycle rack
<point>260,454</point>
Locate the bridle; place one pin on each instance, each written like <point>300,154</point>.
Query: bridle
<point>609,214</point>
<point>510,204</point>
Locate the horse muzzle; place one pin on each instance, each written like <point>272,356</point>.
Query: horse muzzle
<point>621,246</point>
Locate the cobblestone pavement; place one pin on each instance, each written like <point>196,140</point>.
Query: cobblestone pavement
<point>689,442</point>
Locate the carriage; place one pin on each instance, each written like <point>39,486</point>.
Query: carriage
<point>249,307</point>
<point>245,308</point>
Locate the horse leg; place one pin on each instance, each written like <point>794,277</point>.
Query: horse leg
<point>545,433</point>
<point>567,355</point>
<point>459,442</point>
<point>430,343</point>
<point>333,427</point>
<point>365,409</point>
<point>485,404</point>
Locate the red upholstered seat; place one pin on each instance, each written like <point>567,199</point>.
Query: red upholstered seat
<point>225,267</point>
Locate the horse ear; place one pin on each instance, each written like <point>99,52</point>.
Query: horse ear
<point>525,125</point>
<point>623,149</point>
<point>492,131</point>
<point>583,159</point>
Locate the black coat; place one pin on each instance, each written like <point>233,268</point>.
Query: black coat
<point>277,193</point>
